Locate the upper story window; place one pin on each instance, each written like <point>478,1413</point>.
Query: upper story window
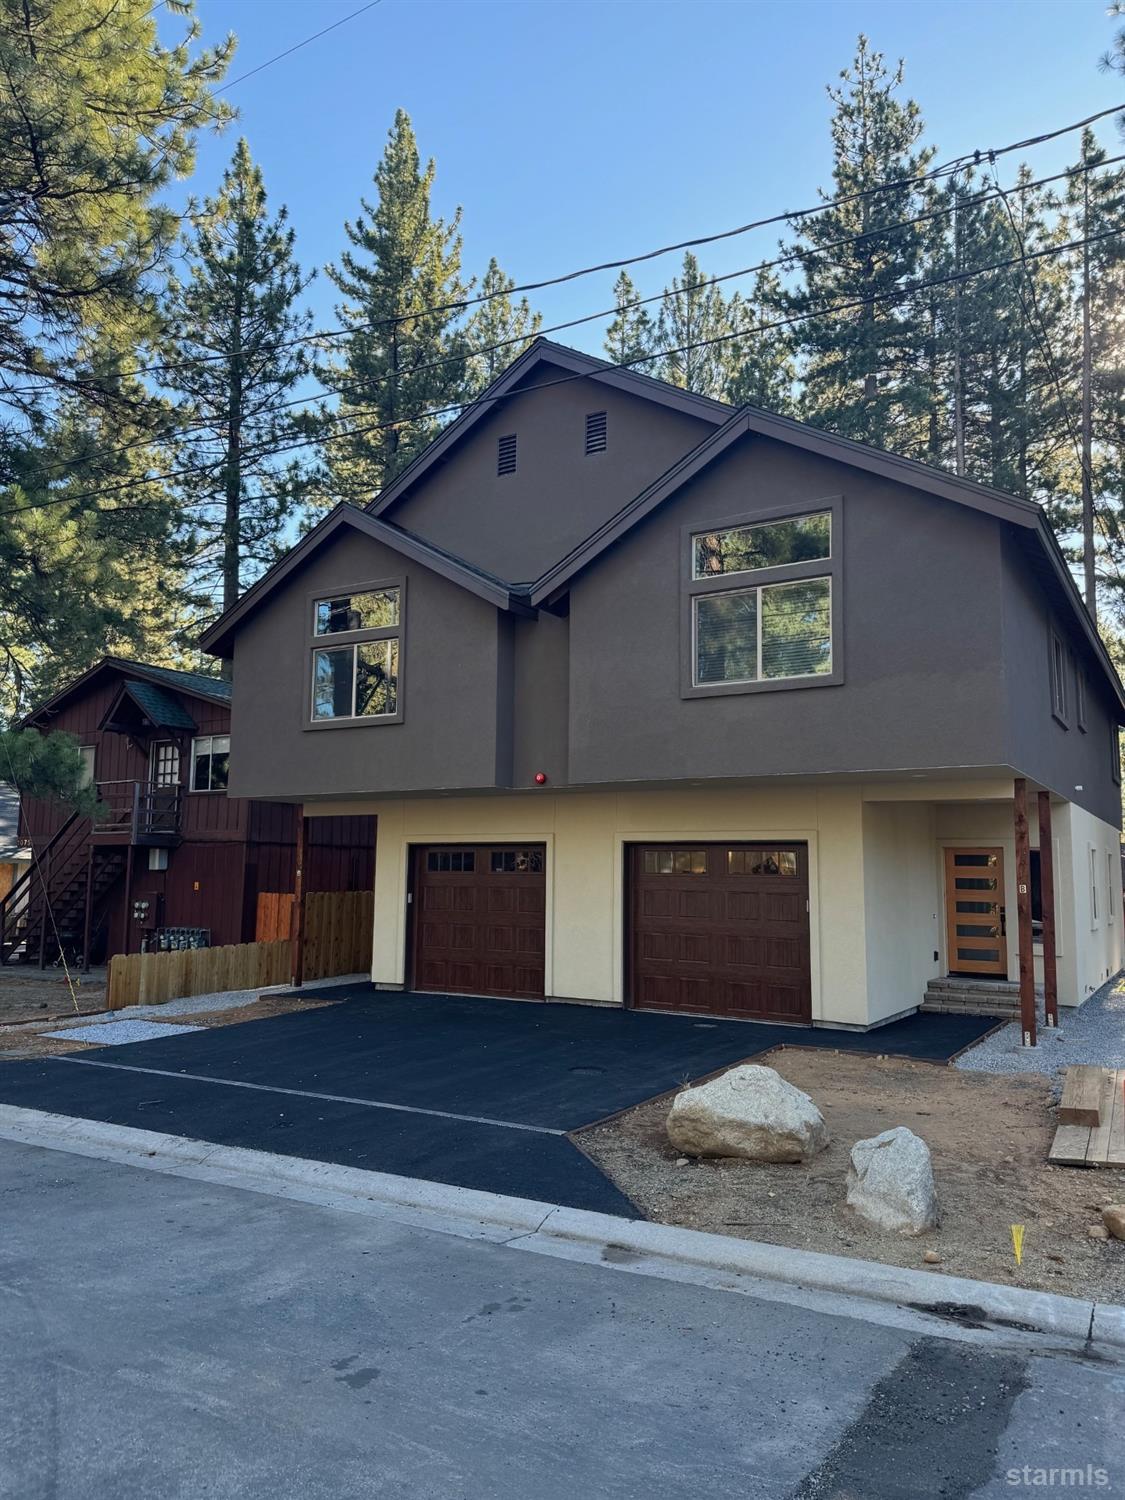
<point>1115,753</point>
<point>760,604</point>
<point>355,678</point>
<point>506,454</point>
<point>89,755</point>
<point>597,432</point>
<point>1080,697</point>
<point>1059,704</point>
<point>210,763</point>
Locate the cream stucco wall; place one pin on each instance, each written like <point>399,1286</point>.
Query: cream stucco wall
<point>902,902</point>
<point>586,834</point>
<point>876,911</point>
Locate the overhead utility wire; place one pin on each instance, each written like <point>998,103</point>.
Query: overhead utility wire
<point>786,258</point>
<point>605,367</point>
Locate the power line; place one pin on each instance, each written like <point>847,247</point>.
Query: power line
<point>786,258</point>
<point>907,290</point>
<point>343,21</point>
<point>787,216</point>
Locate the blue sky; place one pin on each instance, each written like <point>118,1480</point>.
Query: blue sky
<point>578,132</point>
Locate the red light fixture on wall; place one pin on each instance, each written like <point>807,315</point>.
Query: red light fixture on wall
<point>540,778</point>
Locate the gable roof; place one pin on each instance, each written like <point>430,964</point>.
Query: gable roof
<point>485,585</point>
<point>1030,518</point>
<point>157,706</point>
<point>213,689</point>
<point>576,364</point>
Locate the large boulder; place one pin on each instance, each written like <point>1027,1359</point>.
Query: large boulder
<point>891,1182</point>
<point>751,1112</point>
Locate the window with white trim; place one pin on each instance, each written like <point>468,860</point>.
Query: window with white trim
<point>210,763</point>
<point>89,755</point>
<point>761,603</point>
<point>356,677</point>
<point>165,763</point>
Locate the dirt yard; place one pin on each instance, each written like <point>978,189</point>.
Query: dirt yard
<point>30,1041</point>
<point>989,1138</point>
<point>43,994</point>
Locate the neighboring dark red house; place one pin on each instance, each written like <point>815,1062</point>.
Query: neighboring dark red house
<point>169,849</point>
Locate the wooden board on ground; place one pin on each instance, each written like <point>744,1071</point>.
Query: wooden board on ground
<point>1102,1145</point>
<point>1082,1096</point>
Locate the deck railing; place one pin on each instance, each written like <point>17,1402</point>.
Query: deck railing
<point>142,809</point>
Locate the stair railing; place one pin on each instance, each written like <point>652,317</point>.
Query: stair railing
<point>17,906</point>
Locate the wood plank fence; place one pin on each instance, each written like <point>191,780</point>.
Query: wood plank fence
<point>338,927</point>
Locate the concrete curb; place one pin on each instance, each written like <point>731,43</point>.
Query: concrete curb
<point>632,1244</point>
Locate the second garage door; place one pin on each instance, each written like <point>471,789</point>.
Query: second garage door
<point>721,929</point>
<point>479,913</point>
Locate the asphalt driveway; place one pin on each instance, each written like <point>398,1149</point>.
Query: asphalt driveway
<point>475,1093</point>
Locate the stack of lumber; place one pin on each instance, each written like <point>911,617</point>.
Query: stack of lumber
<point>1091,1128</point>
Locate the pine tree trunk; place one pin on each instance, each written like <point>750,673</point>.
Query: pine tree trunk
<point>1090,580</point>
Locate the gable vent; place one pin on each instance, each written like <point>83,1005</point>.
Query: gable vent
<point>506,454</point>
<point>595,432</point>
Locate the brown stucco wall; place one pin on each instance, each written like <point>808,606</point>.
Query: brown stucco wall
<point>450,663</point>
<point>518,525</point>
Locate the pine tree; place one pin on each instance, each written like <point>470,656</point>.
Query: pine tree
<point>497,329</point>
<point>96,117</point>
<point>762,369</point>
<point>860,367</point>
<point>236,356</point>
<point>692,317</point>
<point>632,334</point>
<point>404,355</point>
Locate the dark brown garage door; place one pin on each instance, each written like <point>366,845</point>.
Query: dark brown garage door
<point>721,929</point>
<point>479,919</point>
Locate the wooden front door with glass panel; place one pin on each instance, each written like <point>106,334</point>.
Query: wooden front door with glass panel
<point>974,911</point>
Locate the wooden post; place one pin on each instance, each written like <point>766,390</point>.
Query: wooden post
<point>127,917</point>
<point>45,886</point>
<point>298,925</point>
<point>88,916</point>
<point>1047,901</point>
<point>1023,915</point>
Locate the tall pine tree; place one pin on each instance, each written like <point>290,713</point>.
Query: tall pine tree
<point>632,334</point>
<point>861,367</point>
<point>236,359</point>
<point>692,317</point>
<point>96,116</point>
<point>497,330</point>
<point>404,354</point>
<point>761,366</point>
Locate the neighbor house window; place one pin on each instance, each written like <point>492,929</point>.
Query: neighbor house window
<point>1080,697</point>
<point>760,604</point>
<point>89,755</point>
<point>165,763</point>
<point>210,763</point>
<point>1058,680</point>
<point>1115,753</point>
<point>356,676</point>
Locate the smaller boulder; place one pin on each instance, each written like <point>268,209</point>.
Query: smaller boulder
<point>750,1112</point>
<point>1097,1232</point>
<point>1113,1217</point>
<point>891,1182</point>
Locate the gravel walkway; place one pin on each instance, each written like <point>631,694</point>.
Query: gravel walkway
<point>194,1005</point>
<point>114,1033</point>
<point>1092,1033</point>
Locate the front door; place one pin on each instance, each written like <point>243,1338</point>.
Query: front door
<point>974,911</point>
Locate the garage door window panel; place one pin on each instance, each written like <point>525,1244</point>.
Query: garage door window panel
<point>759,604</point>
<point>355,654</point>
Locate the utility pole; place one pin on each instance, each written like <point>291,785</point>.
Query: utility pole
<point>1087,414</point>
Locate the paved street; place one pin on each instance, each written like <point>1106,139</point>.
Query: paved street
<point>167,1338</point>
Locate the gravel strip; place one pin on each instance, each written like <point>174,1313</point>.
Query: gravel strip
<point>194,1005</point>
<point>116,1033</point>
<point>1091,1033</point>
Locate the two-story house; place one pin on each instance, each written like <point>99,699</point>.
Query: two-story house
<point>168,851</point>
<point>666,704</point>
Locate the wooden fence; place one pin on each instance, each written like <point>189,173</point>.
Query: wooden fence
<point>152,978</point>
<point>338,927</point>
